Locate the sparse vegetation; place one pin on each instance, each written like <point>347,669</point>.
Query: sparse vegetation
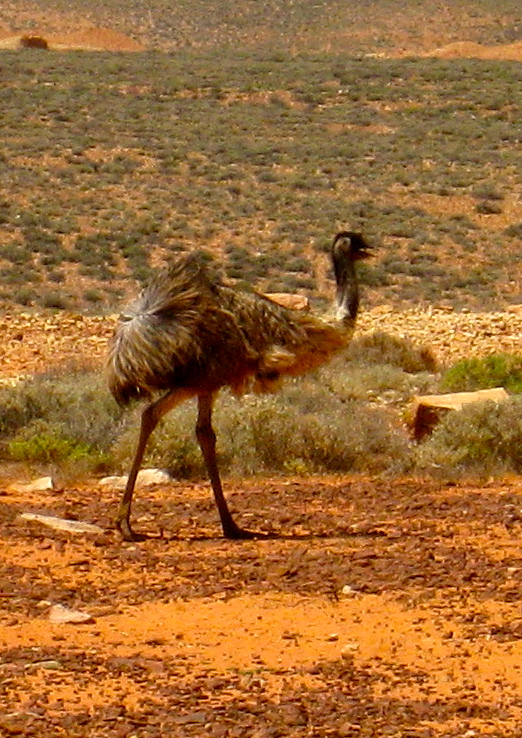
<point>382,348</point>
<point>346,418</point>
<point>307,427</point>
<point>225,169</point>
<point>482,439</point>
<point>499,370</point>
<point>229,168</point>
<point>38,426</point>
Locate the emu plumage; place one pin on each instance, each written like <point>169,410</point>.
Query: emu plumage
<point>189,334</point>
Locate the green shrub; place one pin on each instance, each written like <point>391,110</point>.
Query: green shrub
<point>383,348</point>
<point>482,438</point>
<point>60,415</point>
<point>486,207</point>
<point>375,382</point>
<point>487,191</point>
<point>304,428</point>
<point>343,436</point>
<point>38,442</point>
<point>514,230</point>
<point>55,300</point>
<point>499,370</point>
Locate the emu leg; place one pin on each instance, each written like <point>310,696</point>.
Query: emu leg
<point>207,442</point>
<point>149,420</point>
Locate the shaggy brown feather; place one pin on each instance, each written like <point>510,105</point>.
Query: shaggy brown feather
<point>190,334</point>
<point>190,330</point>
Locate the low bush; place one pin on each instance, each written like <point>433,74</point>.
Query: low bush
<point>59,417</point>
<point>377,383</point>
<point>346,418</point>
<point>482,438</point>
<point>498,370</point>
<point>40,443</point>
<point>486,207</point>
<point>304,428</point>
<point>383,348</point>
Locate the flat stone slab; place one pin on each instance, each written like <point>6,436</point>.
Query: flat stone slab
<point>429,409</point>
<point>71,526</point>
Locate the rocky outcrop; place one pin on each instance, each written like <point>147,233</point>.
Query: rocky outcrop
<point>428,410</point>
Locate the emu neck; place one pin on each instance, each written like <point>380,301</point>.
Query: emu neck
<point>347,292</point>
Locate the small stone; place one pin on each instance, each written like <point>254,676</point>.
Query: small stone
<point>50,665</point>
<point>71,526</point>
<point>347,730</point>
<point>348,591</point>
<point>43,484</point>
<point>349,648</point>
<point>61,614</point>
<point>113,482</point>
<point>192,718</point>
<point>146,478</point>
<point>333,637</point>
<point>44,604</point>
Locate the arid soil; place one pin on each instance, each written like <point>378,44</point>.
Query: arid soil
<point>32,342</point>
<point>371,607</point>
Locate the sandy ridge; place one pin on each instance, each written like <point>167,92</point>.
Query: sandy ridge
<point>92,39</point>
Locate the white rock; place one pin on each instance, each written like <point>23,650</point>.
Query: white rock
<point>43,484</point>
<point>349,647</point>
<point>50,664</point>
<point>348,591</point>
<point>146,478</point>
<point>72,526</point>
<point>61,614</point>
<point>113,482</point>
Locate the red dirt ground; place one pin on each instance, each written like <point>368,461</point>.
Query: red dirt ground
<point>374,607</point>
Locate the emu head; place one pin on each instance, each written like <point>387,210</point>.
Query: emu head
<point>347,248</point>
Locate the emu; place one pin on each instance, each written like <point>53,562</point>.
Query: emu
<point>189,334</point>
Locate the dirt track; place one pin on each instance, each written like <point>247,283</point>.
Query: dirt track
<point>373,608</point>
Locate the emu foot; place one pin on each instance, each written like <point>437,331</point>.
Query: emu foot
<point>234,533</point>
<point>127,533</point>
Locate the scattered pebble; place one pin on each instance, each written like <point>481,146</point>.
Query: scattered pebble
<point>51,665</point>
<point>146,478</point>
<point>349,648</point>
<point>71,526</point>
<point>62,614</point>
<point>43,484</point>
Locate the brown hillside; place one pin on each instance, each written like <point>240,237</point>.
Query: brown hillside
<point>378,26</point>
<point>93,39</point>
<point>471,50</point>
